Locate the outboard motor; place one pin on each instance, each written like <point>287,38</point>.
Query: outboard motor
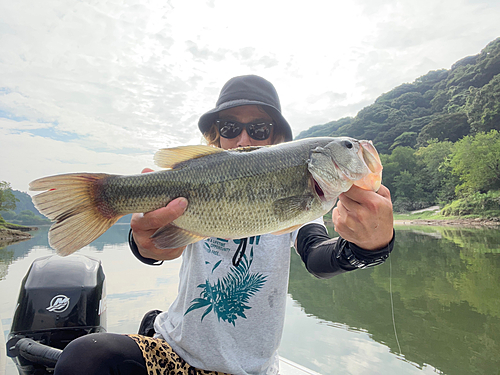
<point>60,300</point>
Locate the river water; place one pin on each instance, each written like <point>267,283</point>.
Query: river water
<point>433,308</point>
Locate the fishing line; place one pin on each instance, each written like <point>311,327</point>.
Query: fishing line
<point>392,304</point>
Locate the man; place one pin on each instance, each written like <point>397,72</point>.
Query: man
<point>228,316</point>
<point>362,217</point>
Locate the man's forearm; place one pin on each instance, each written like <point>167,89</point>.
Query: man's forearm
<point>325,257</point>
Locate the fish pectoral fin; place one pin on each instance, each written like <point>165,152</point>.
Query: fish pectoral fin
<point>289,207</point>
<point>170,157</point>
<point>287,230</point>
<point>171,237</point>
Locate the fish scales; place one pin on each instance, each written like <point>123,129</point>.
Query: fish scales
<point>219,189</point>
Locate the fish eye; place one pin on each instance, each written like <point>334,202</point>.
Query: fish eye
<point>347,144</point>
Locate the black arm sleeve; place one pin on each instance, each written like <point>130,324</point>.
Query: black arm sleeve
<point>323,257</point>
<point>135,251</point>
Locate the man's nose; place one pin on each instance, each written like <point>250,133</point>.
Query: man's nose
<point>244,139</point>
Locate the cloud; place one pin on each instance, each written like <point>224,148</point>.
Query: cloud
<point>205,53</point>
<point>29,157</point>
<point>116,80</point>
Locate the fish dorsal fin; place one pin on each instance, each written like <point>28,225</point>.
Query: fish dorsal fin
<point>246,148</point>
<point>170,157</point>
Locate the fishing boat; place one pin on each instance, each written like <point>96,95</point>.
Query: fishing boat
<point>62,299</point>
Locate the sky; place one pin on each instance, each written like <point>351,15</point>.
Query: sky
<point>99,86</point>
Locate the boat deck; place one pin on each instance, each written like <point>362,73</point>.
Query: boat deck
<point>288,367</point>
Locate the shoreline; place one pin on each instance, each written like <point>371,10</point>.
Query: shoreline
<point>467,223</point>
<point>10,233</point>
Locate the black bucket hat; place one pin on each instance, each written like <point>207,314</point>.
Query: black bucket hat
<point>247,90</point>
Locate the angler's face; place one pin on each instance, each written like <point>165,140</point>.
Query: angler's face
<point>245,114</point>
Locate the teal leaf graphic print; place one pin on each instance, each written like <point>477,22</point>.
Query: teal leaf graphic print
<point>228,298</point>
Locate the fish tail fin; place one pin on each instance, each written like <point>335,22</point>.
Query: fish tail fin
<point>71,200</point>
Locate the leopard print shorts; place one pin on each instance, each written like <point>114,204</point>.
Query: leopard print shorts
<point>161,359</point>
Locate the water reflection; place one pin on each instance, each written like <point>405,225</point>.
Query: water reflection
<point>446,294</point>
<point>132,288</point>
<point>445,291</point>
<point>14,251</point>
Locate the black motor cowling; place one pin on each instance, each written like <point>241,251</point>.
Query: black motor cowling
<point>60,299</point>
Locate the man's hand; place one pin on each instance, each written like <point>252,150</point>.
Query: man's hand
<point>364,217</point>
<point>145,225</point>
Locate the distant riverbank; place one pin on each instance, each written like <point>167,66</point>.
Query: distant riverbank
<point>428,215</point>
<point>432,216</point>
<point>10,233</point>
<point>456,222</point>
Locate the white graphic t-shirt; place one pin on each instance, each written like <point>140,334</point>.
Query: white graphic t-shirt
<point>229,313</point>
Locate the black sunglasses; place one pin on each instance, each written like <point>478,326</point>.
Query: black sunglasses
<point>259,130</point>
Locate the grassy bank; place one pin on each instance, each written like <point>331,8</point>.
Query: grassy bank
<point>437,218</point>
<point>426,215</point>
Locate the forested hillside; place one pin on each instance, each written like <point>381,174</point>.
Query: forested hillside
<point>443,104</point>
<point>420,127</point>
<point>24,203</point>
<point>24,211</point>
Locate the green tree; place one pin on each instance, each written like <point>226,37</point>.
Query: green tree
<point>27,217</point>
<point>410,99</point>
<point>325,130</point>
<point>7,198</point>
<point>391,170</point>
<point>434,162</point>
<point>449,126</point>
<point>25,203</point>
<point>483,106</point>
<point>405,157</point>
<point>405,139</point>
<point>406,180</point>
<point>476,162</point>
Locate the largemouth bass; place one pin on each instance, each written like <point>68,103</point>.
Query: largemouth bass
<point>231,193</point>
